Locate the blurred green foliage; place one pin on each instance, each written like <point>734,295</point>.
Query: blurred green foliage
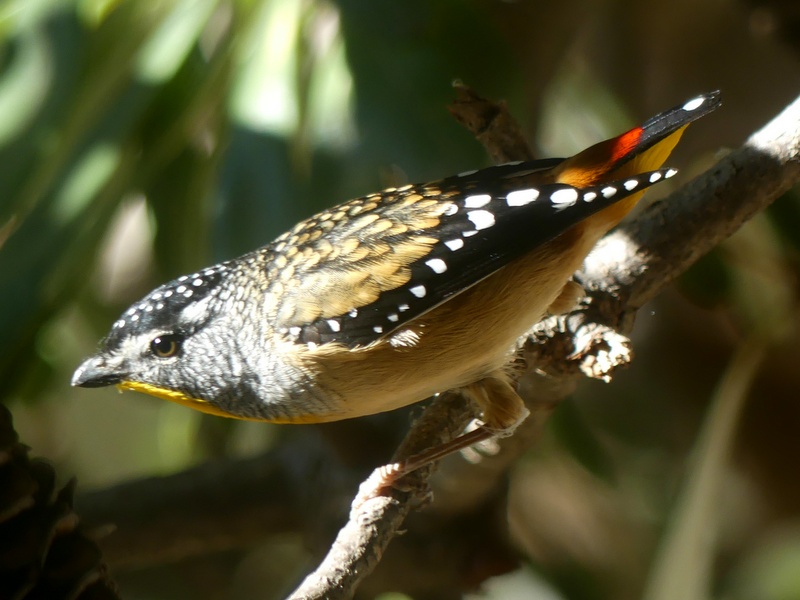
<point>142,139</point>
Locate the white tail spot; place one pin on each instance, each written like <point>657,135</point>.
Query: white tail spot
<point>566,197</point>
<point>522,197</point>
<point>694,104</point>
<point>608,191</point>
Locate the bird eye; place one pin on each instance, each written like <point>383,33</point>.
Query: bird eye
<point>165,346</point>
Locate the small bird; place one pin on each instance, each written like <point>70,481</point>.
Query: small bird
<point>387,299</point>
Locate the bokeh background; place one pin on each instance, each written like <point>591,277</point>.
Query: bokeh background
<point>143,139</point>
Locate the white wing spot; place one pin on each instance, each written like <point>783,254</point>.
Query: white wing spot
<point>295,331</point>
<point>168,293</point>
<point>404,339</point>
<point>197,282</point>
<point>159,306</point>
<point>377,329</point>
<point>565,197</point>
<point>477,200</point>
<point>353,313</point>
<point>148,308</point>
<point>120,323</point>
<point>469,233</point>
<point>670,173</point>
<point>608,191</point>
<point>437,265</point>
<point>522,197</point>
<point>483,219</point>
<point>183,278</point>
<point>694,104</point>
<point>589,196</point>
<point>334,325</point>
<point>134,318</point>
<point>630,184</point>
<point>455,244</point>
<point>655,177</point>
<point>188,294</point>
<point>403,307</point>
<point>419,291</point>
<point>394,318</point>
<point>180,289</point>
<point>450,210</point>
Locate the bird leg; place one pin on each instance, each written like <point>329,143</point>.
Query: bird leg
<point>503,410</point>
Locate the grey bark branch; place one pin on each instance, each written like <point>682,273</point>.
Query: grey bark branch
<point>629,268</point>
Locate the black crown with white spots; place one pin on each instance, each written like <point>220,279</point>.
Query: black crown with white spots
<point>158,310</point>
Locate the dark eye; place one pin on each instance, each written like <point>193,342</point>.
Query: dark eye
<point>165,346</point>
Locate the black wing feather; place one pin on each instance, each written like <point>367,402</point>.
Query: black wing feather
<point>481,231</point>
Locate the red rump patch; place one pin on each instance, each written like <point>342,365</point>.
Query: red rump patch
<point>626,143</point>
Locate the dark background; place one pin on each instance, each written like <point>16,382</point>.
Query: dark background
<point>141,140</point>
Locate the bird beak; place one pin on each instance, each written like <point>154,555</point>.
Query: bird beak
<point>97,372</point>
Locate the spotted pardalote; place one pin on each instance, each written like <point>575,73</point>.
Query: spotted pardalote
<point>387,299</point>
